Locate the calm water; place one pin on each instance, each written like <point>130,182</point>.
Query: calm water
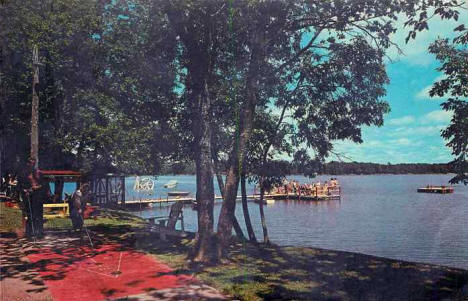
<point>380,215</point>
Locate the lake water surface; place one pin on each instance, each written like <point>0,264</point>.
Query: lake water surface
<point>380,215</point>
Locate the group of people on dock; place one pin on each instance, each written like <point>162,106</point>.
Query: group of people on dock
<point>306,189</point>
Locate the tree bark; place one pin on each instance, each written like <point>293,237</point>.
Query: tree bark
<point>205,244</point>
<point>245,209</point>
<point>35,109</point>
<point>58,189</point>
<point>225,222</point>
<point>262,213</point>
<point>199,54</point>
<point>219,178</point>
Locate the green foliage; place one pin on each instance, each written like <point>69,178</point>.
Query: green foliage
<point>106,84</point>
<point>454,60</point>
<point>117,78</point>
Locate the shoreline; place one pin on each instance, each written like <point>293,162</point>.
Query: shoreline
<point>299,174</point>
<point>259,271</point>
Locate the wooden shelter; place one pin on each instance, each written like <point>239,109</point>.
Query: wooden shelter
<point>108,189</point>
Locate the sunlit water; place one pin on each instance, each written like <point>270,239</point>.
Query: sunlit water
<point>380,215</point>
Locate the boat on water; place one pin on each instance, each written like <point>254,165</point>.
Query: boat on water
<point>265,201</point>
<point>171,184</point>
<point>178,193</point>
<point>436,189</point>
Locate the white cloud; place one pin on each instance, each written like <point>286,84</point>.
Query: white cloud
<point>424,94</point>
<point>402,120</point>
<point>438,117</point>
<point>416,51</point>
<point>403,142</point>
<point>431,130</point>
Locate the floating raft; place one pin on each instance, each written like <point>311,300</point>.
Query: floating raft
<point>317,194</point>
<point>294,196</point>
<point>436,189</point>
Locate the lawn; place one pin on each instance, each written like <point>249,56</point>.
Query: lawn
<point>11,220</point>
<point>258,272</point>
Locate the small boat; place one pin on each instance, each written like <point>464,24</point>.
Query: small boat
<point>436,189</point>
<point>171,184</point>
<point>265,201</point>
<point>178,193</point>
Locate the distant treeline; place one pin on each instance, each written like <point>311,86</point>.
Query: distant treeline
<point>338,168</point>
<point>344,168</point>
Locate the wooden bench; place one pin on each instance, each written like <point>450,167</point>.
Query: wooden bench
<point>165,231</point>
<point>62,208</point>
<point>162,220</point>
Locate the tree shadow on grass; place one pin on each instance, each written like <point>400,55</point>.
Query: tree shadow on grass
<point>317,274</point>
<point>288,273</point>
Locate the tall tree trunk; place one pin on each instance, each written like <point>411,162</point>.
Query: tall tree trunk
<point>2,108</point>
<point>204,245</point>
<point>245,209</point>
<point>35,109</point>
<point>219,178</point>
<point>58,189</point>
<point>262,180</point>
<point>226,215</point>
<point>262,213</point>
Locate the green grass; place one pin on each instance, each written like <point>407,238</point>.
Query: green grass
<point>106,218</point>
<point>258,272</point>
<point>10,218</point>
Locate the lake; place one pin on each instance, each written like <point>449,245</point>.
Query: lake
<point>380,215</point>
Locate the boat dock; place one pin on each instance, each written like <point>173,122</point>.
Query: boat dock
<point>158,201</point>
<point>436,189</point>
<point>330,195</point>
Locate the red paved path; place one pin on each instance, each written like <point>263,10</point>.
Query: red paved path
<point>105,272</point>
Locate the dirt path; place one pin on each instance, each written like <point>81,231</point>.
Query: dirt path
<point>60,268</point>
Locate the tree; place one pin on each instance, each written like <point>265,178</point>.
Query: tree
<point>454,59</point>
<point>199,26</point>
<point>337,78</point>
<point>106,90</point>
<point>453,56</point>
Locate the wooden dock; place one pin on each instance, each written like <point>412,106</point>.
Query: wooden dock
<point>146,202</point>
<point>320,196</point>
<point>436,189</point>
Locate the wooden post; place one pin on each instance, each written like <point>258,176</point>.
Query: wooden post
<point>35,109</point>
<point>122,183</point>
<point>107,191</point>
<point>182,220</point>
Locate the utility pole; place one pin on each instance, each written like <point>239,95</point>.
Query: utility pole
<point>35,109</point>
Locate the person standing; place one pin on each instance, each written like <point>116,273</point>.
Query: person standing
<point>32,199</point>
<point>77,206</point>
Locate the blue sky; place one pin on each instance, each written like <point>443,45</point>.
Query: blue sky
<point>411,133</point>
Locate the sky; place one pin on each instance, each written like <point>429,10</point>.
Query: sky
<point>411,131</point>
